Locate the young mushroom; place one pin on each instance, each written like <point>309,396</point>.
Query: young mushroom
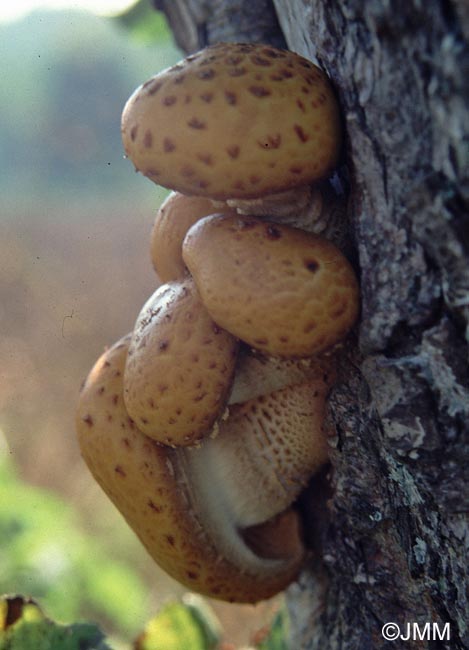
<point>174,218</point>
<point>180,367</point>
<point>235,121</point>
<point>283,291</point>
<point>213,517</point>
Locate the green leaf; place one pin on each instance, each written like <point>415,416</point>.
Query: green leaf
<point>145,23</point>
<point>178,625</point>
<point>28,629</point>
<point>278,635</point>
<point>51,558</point>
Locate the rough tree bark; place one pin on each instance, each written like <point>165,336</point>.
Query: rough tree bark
<point>394,547</point>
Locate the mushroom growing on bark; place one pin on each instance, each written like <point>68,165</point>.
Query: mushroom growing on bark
<point>283,291</point>
<point>236,121</point>
<point>204,444</point>
<point>206,515</point>
<point>174,218</point>
<point>180,367</point>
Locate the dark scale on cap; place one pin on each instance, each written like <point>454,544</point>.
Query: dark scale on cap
<point>133,132</point>
<point>206,159</point>
<point>311,265</point>
<point>152,86</point>
<point>148,139</point>
<point>300,105</point>
<point>179,79</point>
<point>234,60</point>
<point>296,169</point>
<point>169,100</point>
<point>304,137</point>
<point>209,59</point>
<point>195,123</point>
<point>239,185</point>
<point>233,151</point>
<point>314,77</point>
<point>168,145</point>
<point>273,54</point>
<point>272,232</point>
<point>309,327</point>
<point>248,47</point>
<point>88,420</point>
<point>258,60</point>
<point>237,72</point>
<point>206,75</point>
<point>254,180</point>
<point>187,171</point>
<point>259,91</point>
<point>154,507</point>
<point>206,97</point>
<point>230,97</point>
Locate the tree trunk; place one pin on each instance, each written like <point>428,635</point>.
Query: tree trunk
<point>395,543</point>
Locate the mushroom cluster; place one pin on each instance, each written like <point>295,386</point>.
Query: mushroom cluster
<point>204,424</point>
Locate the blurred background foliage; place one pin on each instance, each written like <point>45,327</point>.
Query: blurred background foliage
<point>65,78</point>
<point>74,272</point>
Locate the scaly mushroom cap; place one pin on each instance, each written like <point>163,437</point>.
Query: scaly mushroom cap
<point>174,218</point>
<point>283,291</point>
<point>180,367</point>
<point>234,120</point>
<point>148,484</point>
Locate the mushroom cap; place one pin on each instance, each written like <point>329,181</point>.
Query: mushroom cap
<point>235,120</point>
<point>285,292</point>
<point>174,218</point>
<point>180,367</point>
<point>148,484</point>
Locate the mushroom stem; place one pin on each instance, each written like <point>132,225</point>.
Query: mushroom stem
<point>279,205</point>
<point>262,457</point>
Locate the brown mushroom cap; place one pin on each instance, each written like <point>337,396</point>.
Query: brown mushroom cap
<point>174,218</point>
<point>180,367</point>
<point>283,291</point>
<point>234,120</point>
<point>148,483</point>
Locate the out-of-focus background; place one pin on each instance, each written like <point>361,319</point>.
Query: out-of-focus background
<point>74,272</point>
